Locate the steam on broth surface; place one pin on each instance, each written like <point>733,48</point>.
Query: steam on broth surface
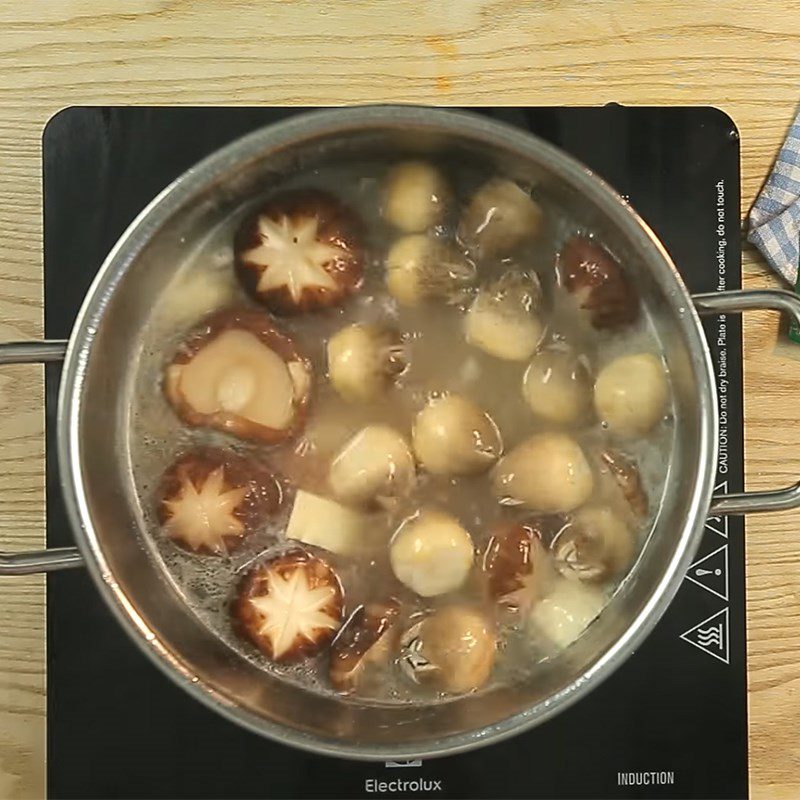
<point>418,466</point>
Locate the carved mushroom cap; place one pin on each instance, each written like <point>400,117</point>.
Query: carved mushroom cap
<point>300,251</point>
<point>595,278</point>
<point>364,641</point>
<point>289,606</point>
<point>238,373</point>
<point>209,499</point>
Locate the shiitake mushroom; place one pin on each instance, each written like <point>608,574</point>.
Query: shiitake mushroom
<point>289,606</point>
<point>239,373</point>
<point>363,645</point>
<point>300,251</point>
<point>594,277</point>
<point>621,485</point>
<point>516,564</point>
<point>209,499</point>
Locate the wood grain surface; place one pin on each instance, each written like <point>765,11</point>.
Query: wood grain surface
<point>742,56</point>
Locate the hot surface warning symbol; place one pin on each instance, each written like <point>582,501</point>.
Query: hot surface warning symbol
<point>711,636</point>
<point>711,572</point>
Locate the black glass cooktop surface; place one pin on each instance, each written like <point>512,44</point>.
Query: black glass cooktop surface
<point>670,723</point>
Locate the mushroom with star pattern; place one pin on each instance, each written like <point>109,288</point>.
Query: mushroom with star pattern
<point>289,606</point>
<point>209,500</point>
<point>300,251</point>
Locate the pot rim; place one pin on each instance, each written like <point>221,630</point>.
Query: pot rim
<point>310,125</point>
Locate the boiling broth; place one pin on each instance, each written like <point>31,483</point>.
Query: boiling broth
<point>440,361</point>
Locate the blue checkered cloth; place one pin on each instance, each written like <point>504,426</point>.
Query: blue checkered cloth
<point>774,222</point>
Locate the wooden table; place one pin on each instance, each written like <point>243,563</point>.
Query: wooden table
<point>742,56</point>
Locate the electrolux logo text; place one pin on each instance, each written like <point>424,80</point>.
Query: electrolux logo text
<point>373,785</point>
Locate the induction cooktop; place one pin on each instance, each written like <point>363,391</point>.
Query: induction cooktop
<point>670,723</point>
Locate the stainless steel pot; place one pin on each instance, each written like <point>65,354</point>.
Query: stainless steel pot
<point>97,486</point>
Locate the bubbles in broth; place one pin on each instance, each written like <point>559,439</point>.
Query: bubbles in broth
<point>550,526</point>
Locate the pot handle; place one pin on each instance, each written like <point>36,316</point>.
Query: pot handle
<point>30,562</point>
<point>733,302</point>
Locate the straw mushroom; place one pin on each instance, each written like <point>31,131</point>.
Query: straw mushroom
<point>209,500</point>
<point>363,645</point>
<point>415,196</point>
<point>596,545</point>
<point>420,267</point>
<point>503,319</point>
<point>500,217</point>
<point>364,361</point>
<point>547,472</point>
<point>594,277</point>
<point>431,553</point>
<point>452,650</point>
<point>374,467</point>
<point>631,394</point>
<point>289,606</point>
<point>238,373</point>
<point>558,387</point>
<point>453,436</point>
<point>300,251</point>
